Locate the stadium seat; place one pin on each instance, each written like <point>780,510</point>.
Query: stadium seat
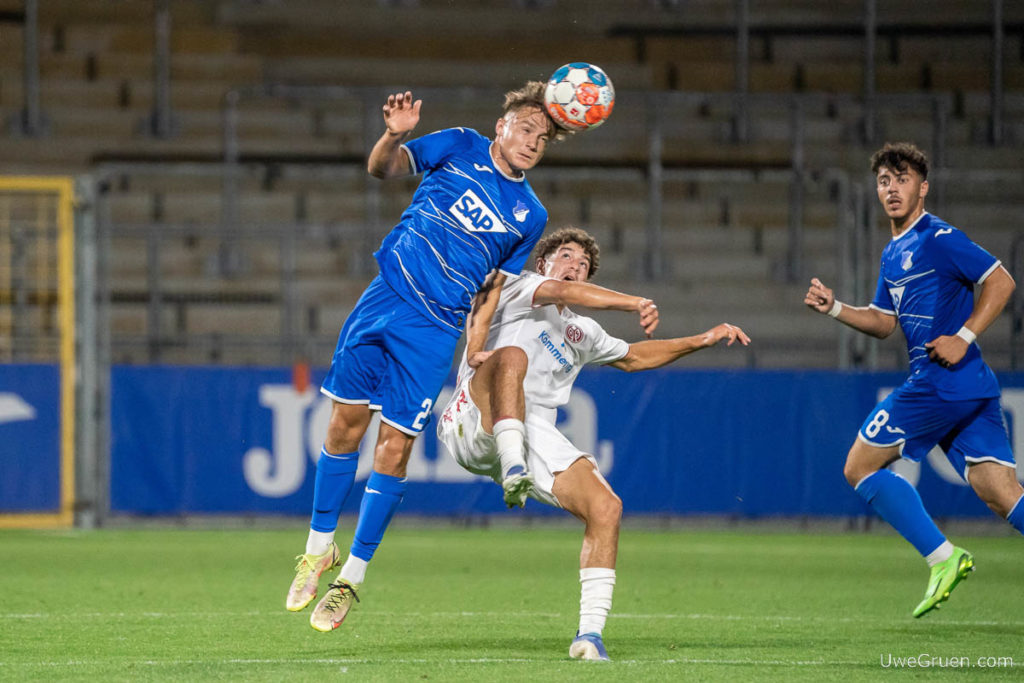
<point>302,158</point>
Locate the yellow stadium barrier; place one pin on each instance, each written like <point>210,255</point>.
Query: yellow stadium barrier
<point>42,207</point>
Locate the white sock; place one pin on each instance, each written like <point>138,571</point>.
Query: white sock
<point>510,437</point>
<point>596,586</point>
<point>940,554</point>
<point>318,542</point>
<point>354,570</point>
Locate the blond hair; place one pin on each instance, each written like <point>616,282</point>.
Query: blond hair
<point>531,96</point>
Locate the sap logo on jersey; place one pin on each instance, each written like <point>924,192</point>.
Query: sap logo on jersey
<point>896,294</point>
<point>474,215</point>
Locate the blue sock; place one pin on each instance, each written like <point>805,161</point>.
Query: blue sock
<point>380,500</point>
<point>899,504</point>
<point>334,477</point>
<point>1016,516</point>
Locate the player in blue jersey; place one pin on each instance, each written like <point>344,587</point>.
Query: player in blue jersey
<point>951,398</point>
<point>474,219</point>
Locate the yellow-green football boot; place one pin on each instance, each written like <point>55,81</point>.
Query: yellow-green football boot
<point>945,577</point>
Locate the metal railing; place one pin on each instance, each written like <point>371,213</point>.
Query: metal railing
<point>30,120</point>
<point>1017,303</point>
<point>299,310</point>
<point>655,109</point>
<point>867,27</point>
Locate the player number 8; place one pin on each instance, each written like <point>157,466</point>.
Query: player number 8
<point>881,417</point>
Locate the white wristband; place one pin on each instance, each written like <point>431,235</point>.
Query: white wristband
<point>966,335</point>
<point>836,307</point>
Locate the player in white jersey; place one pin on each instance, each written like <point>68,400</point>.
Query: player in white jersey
<point>951,398</point>
<point>502,415</point>
<point>473,219</point>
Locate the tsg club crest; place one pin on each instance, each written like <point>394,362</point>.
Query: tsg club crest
<point>520,211</point>
<point>573,334</point>
<point>907,260</point>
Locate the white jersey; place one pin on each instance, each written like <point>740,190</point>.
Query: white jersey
<point>557,343</point>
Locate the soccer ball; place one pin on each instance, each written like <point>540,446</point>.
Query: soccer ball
<point>579,96</point>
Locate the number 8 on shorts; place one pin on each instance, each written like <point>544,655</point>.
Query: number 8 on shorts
<point>872,428</point>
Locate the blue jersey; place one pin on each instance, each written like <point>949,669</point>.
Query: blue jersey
<point>927,280</point>
<point>466,219</point>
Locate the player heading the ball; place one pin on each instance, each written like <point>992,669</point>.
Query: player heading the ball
<point>473,219</point>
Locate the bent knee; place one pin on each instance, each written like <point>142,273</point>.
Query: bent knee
<point>608,511</point>
<point>391,454</point>
<point>994,501</point>
<point>343,435</point>
<point>996,486</point>
<point>852,472</point>
<point>864,460</point>
<point>853,469</point>
<point>511,358</point>
<point>345,427</point>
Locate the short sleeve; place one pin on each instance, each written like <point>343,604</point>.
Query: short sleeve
<point>517,294</point>
<point>966,260</point>
<point>520,256</point>
<point>431,150</point>
<point>604,348</point>
<point>883,300</point>
<point>516,261</point>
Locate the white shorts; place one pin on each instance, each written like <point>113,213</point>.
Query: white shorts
<point>548,452</point>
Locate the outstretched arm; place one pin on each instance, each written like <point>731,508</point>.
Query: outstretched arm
<point>569,293</point>
<point>388,159</point>
<point>655,353</point>
<point>861,318</point>
<point>949,349</point>
<point>479,323</point>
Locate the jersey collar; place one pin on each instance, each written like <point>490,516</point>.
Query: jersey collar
<point>910,227</point>
<point>490,153</point>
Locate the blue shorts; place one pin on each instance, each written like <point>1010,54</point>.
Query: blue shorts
<point>391,358</point>
<point>968,432</point>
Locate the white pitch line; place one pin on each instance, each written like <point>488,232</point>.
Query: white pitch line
<point>471,660</point>
<point>134,615</point>
<point>520,615</point>
<point>822,619</point>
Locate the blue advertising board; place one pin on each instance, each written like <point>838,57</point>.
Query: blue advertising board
<point>30,438</point>
<point>672,442</point>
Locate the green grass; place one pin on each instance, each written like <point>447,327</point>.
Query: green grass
<point>498,604</point>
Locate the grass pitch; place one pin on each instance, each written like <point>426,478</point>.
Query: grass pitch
<point>501,604</point>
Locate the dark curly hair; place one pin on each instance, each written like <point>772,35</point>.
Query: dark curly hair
<point>899,156</point>
<point>550,244</point>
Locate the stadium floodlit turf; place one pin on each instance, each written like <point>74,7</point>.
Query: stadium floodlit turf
<point>501,604</point>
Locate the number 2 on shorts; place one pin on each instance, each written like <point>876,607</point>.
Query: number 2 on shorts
<point>423,414</point>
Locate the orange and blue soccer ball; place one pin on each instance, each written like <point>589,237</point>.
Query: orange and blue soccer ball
<point>579,96</point>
